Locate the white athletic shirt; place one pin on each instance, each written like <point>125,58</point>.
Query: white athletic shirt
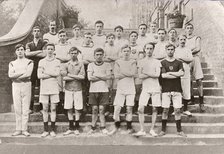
<point>99,40</point>
<point>87,53</point>
<point>160,50</point>
<point>51,38</point>
<point>62,51</point>
<point>184,53</point>
<point>152,37</point>
<point>121,42</point>
<point>111,51</point>
<point>98,86</point>
<point>135,51</point>
<point>76,42</point>
<point>125,85</point>
<point>152,66</point>
<point>49,86</point>
<point>142,40</point>
<point>191,43</point>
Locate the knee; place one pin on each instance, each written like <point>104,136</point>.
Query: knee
<point>95,110</point>
<point>45,108</point>
<point>129,110</point>
<point>154,110</point>
<point>177,111</point>
<point>141,109</point>
<point>199,82</point>
<point>101,110</point>
<point>53,110</point>
<point>165,111</point>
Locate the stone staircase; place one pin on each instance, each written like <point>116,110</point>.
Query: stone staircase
<point>201,125</point>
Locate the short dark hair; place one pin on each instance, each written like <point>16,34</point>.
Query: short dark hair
<point>189,24</point>
<point>181,35</point>
<point>170,45</point>
<point>153,23</point>
<point>61,31</point>
<point>119,27</point>
<point>19,46</point>
<point>99,22</point>
<point>143,25</point>
<point>125,46</point>
<point>87,33</point>
<point>133,32</point>
<point>98,50</point>
<point>161,29</point>
<point>150,43</point>
<point>172,29</point>
<point>36,27</point>
<point>49,44</point>
<point>110,34</point>
<point>77,25</point>
<point>74,49</point>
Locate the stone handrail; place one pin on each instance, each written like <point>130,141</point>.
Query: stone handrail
<point>24,24</point>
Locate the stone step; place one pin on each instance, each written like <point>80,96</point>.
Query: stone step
<point>207,84</point>
<point>209,77</point>
<point>188,128</point>
<point>117,139</point>
<point>212,100</point>
<point>206,70</point>
<point>208,108</point>
<point>210,91</point>
<point>196,118</point>
<point>204,64</point>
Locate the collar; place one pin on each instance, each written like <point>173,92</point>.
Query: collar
<point>98,64</point>
<point>73,63</point>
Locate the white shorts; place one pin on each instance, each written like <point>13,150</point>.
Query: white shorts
<point>186,87</point>
<point>45,99</point>
<point>196,69</point>
<point>73,98</point>
<point>120,99</point>
<point>144,98</point>
<point>175,97</point>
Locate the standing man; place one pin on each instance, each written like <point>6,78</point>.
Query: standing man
<point>119,40</point>
<point>48,71</point>
<point>34,51</point>
<point>99,39</point>
<point>51,36</point>
<point>194,43</point>
<point>142,37</point>
<point>152,35</point>
<point>77,40</point>
<point>73,72</point>
<point>124,70</point>
<point>149,72</point>
<point>172,70</point>
<point>98,74</point>
<point>172,37</point>
<point>135,48</point>
<point>20,72</point>
<point>183,54</point>
<point>160,50</point>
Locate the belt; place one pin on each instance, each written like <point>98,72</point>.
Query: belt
<point>21,81</point>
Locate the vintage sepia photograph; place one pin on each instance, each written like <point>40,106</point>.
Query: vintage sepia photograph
<point>111,76</point>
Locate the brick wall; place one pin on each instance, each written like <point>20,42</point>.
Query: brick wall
<point>208,27</point>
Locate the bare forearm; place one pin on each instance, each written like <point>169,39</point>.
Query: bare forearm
<point>78,77</point>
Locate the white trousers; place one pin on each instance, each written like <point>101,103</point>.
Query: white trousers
<point>21,93</point>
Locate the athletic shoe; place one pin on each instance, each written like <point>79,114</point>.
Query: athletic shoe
<point>173,113</point>
<point>113,132</point>
<point>44,134</point>
<point>202,108</point>
<point>25,133</point>
<point>140,133</point>
<point>91,131</point>
<point>153,133</point>
<point>188,113</point>
<point>53,134</point>
<point>16,133</point>
<point>181,134</point>
<point>162,133</point>
<point>68,132</point>
<point>130,131</point>
<point>104,131</point>
<point>76,132</point>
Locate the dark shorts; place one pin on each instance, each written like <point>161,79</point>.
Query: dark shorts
<point>99,98</point>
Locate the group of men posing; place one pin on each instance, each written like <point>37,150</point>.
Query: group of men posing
<point>129,71</point>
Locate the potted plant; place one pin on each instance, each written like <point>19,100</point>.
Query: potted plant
<point>70,17</point>
<point>175,19</point>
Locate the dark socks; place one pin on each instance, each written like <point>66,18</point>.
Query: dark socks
<point>201,99</point>
<point>77,124</point>
<point>178,125</point>
<point>164,121</point>
<point>93,127</point>
<point>71,125</point>
<point>117,124</point>
<point>192,98</point>
<point>53,126</point>
<point>129,126</point>
<point>185,102</point>
<point>46,126</point>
